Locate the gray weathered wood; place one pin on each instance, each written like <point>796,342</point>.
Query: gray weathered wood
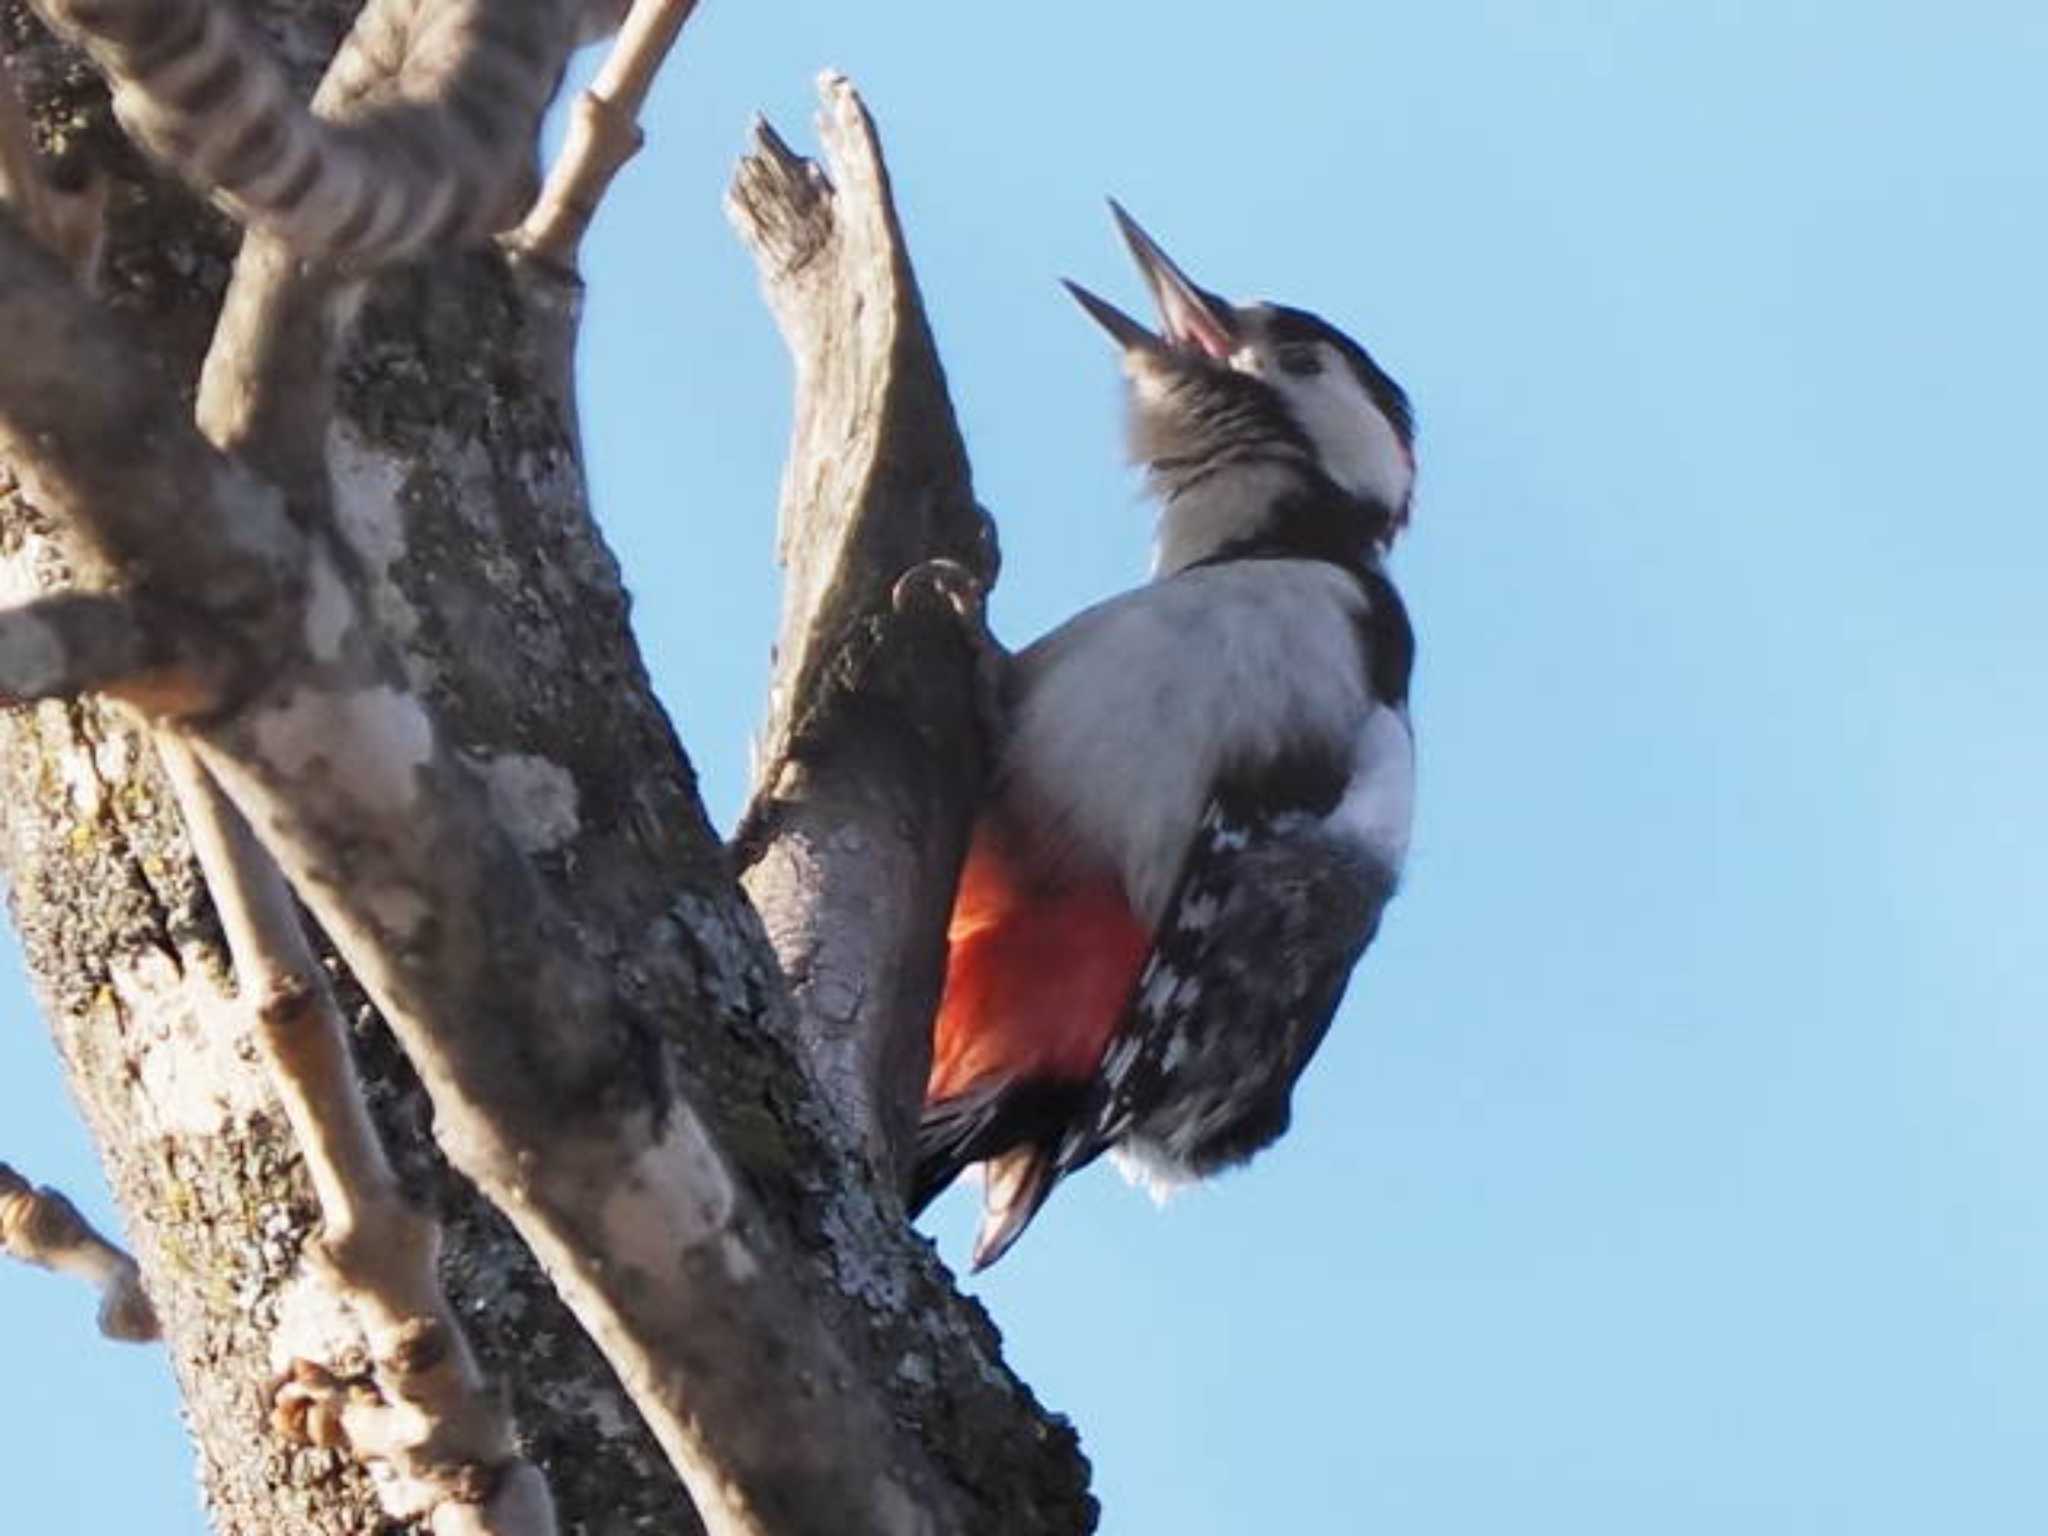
<point>871,758</point>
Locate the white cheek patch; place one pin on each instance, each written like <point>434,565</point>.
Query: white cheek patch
<point>1356,444</point>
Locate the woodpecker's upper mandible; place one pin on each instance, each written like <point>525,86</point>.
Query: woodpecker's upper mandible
<point>1205,785</point>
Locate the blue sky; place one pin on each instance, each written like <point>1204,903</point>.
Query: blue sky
<point>1679,1161</point>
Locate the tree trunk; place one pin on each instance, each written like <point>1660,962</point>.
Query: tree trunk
<point>459,495</point>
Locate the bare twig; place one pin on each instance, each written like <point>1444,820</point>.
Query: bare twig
<point>425,1413</point>
<point>604,133</point>
<point>42,1227</point>
<point>871,755</point>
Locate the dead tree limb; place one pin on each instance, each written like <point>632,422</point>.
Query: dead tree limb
<point>871,759</point>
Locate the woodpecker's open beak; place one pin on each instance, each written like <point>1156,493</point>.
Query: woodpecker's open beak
<point>1130,335</point>
<point>1192,319</point>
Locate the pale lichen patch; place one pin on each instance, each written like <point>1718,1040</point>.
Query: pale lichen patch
<point>114,757</point>
<point>367,745</point>
<point>195,1071</point>
<point>368,485</point>
<point>679,1196</point>
<point>314,1322</point>
<point>24,572</point>
<point>897,1513</point>
<point>399,907</point>
<point>328,611</point>
<point>532,798</point>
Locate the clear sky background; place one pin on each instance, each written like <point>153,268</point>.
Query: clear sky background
<point>1679,1161</point>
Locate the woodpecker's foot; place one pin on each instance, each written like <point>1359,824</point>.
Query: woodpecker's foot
<point>959,591</point>
<point>315,1406</point>
<point>421,1461</point>
<point>947,582</point>
<point>390,1411</point>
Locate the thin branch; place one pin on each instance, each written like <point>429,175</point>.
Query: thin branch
<point>871,755</point>
<point>426,1412</point>
<point>436,162</point>
<point>42,1227</point>
<point>604,133</point>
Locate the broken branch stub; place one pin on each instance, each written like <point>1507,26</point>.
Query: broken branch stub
<point>871,757</point>
<point>42,1227</point>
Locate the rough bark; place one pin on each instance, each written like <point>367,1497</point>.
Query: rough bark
<point>467,541</point>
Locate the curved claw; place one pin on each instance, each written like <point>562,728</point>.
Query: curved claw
<point>943,581</point>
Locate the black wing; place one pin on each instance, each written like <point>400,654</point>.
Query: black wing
<point>1266,921</point>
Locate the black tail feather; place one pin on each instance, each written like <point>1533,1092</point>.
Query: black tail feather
<point>987,1120</point>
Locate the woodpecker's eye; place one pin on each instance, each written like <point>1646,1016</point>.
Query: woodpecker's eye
<point>1302,361</point>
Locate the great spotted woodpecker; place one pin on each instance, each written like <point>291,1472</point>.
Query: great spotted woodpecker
<point>1204,790</point>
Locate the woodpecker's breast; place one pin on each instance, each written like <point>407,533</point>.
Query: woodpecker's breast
<point>1127,716</point>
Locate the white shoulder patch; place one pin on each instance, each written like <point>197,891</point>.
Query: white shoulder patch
<point>1377,812</point>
